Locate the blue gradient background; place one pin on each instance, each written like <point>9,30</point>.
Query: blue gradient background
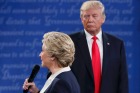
<point>23,23</point>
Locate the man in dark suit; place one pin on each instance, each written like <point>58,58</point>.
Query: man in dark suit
<point>114,76</point>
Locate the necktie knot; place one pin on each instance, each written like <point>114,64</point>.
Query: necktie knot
<point>94,38</point>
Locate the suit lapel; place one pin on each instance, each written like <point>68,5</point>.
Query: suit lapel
<point>82,44</point>
<point>106,53</point>
<point>50,88</point>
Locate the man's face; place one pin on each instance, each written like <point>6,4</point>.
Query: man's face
<point>92,20</point>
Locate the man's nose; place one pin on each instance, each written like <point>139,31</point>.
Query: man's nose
<point>91,19</point>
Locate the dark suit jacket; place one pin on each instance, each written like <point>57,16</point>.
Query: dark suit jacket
<point>64,83</point>
<point>114,71</point>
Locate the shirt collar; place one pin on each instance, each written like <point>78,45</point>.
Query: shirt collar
<point>65,69</point>
<point>89,36</point>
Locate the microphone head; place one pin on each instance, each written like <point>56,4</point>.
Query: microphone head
<point>36,68</point>
<point>34,73</point>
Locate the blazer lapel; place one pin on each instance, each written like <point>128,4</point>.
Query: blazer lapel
<point>49,89</point>
<point>106,53</point>
<point>82,43</point>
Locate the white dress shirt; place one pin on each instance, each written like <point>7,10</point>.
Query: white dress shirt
<point>99,43</point>
<point>52,77</point>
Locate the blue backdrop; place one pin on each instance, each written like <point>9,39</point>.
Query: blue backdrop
<point>23,23</point>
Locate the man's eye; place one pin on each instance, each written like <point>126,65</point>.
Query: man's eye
<point>86,16</point>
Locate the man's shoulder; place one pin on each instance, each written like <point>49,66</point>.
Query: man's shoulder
<point>112,37</point>
<point>75,34</point>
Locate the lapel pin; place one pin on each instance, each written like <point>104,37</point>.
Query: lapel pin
<point>108,43</point>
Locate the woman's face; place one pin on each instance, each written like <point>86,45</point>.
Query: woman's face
<point>45,57</point>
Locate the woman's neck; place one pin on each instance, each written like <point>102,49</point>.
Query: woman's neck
<point>55,68</point>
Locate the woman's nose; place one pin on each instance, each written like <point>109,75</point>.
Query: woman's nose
<point>40,54</point>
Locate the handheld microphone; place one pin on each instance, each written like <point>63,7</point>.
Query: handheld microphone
<point>32,76</point>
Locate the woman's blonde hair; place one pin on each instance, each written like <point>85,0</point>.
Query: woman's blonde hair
<point>60,46</point>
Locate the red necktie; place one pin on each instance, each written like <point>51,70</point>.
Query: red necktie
<point>96,65</point>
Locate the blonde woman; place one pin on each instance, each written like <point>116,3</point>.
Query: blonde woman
<point>57,55</point>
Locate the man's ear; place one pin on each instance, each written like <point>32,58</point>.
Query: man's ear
<point>104,17</point>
